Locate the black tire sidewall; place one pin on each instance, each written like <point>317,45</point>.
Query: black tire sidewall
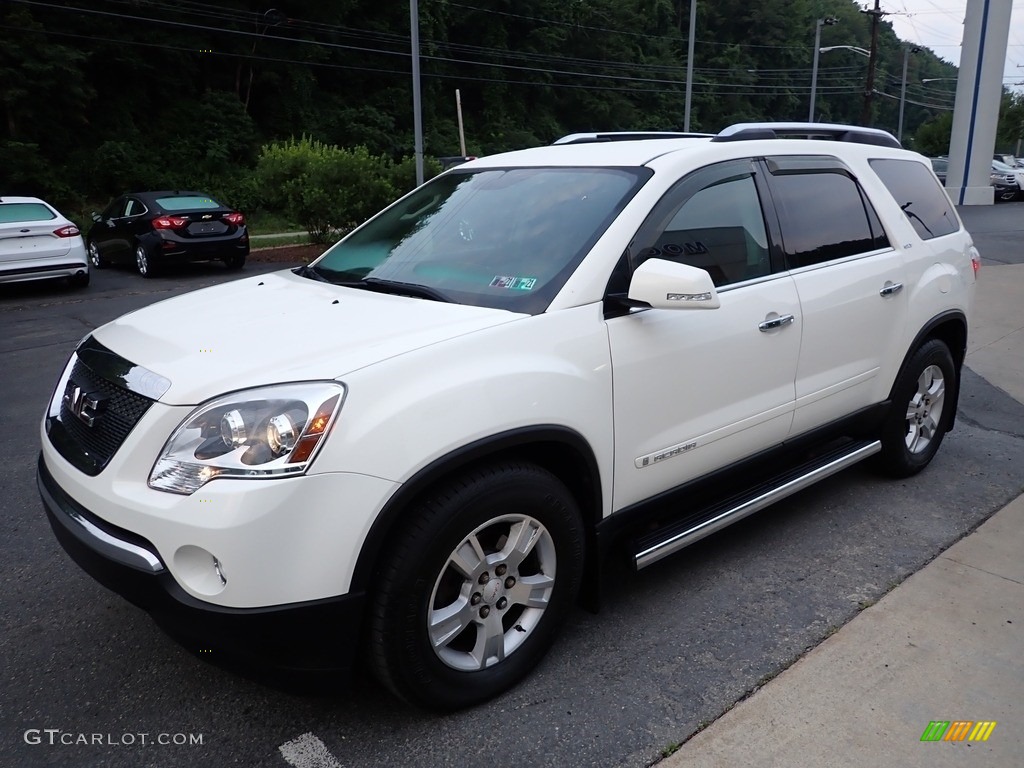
<point>895,458</point>
<point>403,657</point>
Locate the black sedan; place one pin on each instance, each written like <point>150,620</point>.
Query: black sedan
<point>155,229</point>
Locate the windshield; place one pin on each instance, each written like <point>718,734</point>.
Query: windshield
<point>502,238</point>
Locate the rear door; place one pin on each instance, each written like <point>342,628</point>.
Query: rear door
<point>695,390</point>
<point>850,281</point>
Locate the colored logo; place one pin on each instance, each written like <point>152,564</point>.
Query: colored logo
<point>958,730</point>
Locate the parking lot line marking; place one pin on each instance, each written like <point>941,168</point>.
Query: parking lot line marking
<point>307,751</point>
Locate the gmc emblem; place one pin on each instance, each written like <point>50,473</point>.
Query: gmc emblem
<point>86,406</point>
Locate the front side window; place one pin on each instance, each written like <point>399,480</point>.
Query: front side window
<point>824,216</point>
<point>713,220</point>
<point>920,198</point>
<point>503,238</point>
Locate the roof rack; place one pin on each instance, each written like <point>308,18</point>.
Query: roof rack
<point>592,138</point>
<point>830,131</point>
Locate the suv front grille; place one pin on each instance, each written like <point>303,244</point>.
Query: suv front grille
<point>95,408</point>
<point>121,411</point>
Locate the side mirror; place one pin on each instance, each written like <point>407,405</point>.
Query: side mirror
<point>668,285</point>
<point>96,217</point>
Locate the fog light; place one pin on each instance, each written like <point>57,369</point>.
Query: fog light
<point>199,570</point>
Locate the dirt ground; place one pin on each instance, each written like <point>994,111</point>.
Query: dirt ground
<point>287,254</point>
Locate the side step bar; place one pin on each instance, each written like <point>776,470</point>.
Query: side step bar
<point>661,543</point>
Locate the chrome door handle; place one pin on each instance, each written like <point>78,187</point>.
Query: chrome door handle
<point>890,289</point>
<point>778,322</point>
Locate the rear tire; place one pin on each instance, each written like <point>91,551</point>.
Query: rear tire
<point>922,406</point>
<point>235,261</point>
<point>471,594</point>
<point>143,261</point>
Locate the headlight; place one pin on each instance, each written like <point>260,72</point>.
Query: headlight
<point>260,433</point>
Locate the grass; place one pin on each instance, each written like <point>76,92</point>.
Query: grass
<point>272,242</point>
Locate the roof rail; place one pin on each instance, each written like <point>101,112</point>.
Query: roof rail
<point>591,138</point>
<point>832,131</point>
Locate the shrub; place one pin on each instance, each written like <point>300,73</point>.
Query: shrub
<point>325,188</point>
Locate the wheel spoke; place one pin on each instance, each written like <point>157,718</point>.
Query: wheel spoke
<point>490,642</point>
<point>449,622</point>
<point>914,437</point>
<point>522,537</point>
<point>468,558</point>
<point>532,591</point>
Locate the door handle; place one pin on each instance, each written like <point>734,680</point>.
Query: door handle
<point>890,289</point>
<point>777,322</point>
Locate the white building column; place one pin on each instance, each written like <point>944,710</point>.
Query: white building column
<point>979,92</point>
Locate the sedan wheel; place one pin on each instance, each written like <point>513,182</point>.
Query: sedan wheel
<point>472,593</point>
<point>142,262</point>
<point>94,257</point>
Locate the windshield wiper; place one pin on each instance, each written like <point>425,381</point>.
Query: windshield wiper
<point>402,289</point>
<point>307,271</point>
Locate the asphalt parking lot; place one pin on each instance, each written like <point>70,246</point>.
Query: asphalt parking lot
<point>87,679</point>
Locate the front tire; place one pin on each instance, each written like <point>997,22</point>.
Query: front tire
<point>922,406</point>
<point>95,259</point>
<point>470,596</point>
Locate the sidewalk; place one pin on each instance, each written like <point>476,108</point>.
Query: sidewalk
<point>947,644</point>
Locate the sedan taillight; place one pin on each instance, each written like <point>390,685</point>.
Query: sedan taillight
<point>69,231</point>
<point>234,218</point>
<point>170,222</point>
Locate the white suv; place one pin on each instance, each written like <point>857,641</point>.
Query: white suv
<point>421,448</point>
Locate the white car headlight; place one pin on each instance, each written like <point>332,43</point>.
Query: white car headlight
<point>262,433</point>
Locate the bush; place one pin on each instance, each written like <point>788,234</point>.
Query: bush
<point>325,188</point>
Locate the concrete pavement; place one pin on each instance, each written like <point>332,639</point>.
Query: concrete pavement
<point>945,645</point>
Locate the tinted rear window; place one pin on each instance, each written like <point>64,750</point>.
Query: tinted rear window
<point>24,212</point>
<point>188,203</point>
<point>920,197</point>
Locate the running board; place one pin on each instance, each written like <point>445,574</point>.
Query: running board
<point>661,543</point>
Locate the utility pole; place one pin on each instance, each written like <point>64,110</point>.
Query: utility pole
<point>869,90</point>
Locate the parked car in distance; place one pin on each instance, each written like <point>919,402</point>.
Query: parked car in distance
<point>1007,159</point>
<point>418,451</point>
<point>1010,175</point>
<point>37,243</point>
<point>1004,183</point>
<point>156,229</point>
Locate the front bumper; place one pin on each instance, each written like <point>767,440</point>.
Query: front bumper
<point>318,635</point>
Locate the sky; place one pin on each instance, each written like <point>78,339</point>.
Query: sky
<point>938,25</point>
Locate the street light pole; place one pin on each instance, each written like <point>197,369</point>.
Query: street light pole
<point>417,117</point>
<point>830,20</point>
<point>689,65</point>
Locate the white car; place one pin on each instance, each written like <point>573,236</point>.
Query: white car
<point>38,243</point>
<point>423,447</point>
<point>1008,171</point>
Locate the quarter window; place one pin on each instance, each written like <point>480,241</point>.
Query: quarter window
<point>919,196</point>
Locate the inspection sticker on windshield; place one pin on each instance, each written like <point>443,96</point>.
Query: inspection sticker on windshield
<point>514,283</point>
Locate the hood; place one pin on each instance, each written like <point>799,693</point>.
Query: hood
<point>280,327</point>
